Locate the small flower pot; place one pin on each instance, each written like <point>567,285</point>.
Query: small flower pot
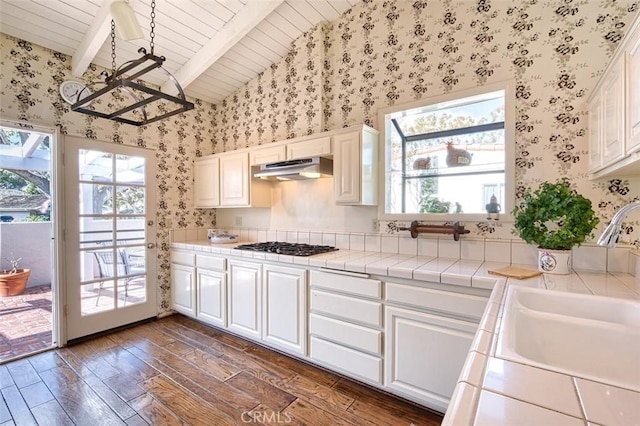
<point>554,261</point>
<point>13,284</point>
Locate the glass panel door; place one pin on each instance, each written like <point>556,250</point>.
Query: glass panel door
<point>110,236</point>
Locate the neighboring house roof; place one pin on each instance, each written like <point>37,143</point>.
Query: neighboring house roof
<point>13,199</point>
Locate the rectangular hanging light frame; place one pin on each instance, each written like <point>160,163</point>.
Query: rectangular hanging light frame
<point>117,82</point>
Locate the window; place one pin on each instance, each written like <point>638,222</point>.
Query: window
<point>450,155</point>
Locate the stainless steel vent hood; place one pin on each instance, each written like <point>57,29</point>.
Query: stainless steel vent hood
<point>306,168</point>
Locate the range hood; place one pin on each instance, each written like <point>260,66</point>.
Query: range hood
<point>306,168</point>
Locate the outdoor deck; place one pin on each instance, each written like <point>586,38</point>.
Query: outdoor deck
<point>25,322</point>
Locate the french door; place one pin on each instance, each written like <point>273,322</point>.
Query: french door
<point>109,235</point>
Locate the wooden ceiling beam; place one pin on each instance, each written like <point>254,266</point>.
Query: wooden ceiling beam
<point>233,31</point>
<point>93,40</point>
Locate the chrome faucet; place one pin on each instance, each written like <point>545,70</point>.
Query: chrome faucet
<point>609,237</point>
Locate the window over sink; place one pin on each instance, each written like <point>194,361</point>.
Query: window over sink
<point>450,156</point>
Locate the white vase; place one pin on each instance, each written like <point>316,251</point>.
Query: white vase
<point>554,261</point>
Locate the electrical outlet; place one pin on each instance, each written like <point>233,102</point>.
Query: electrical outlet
<point>375,225</point>
<point>238,220</point>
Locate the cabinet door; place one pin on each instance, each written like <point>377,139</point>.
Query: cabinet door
<point>244,298</point>
<point>270,154</point>
<point>183,289</point>
<point>206,182</point>
<point>284,308</point>
<point>613,114</point>
<point>346,168</point>
<point>633,93</point>
<point>595,134</point>
<point>424,354</point>
<point>234,179</point>
<point>212,297</point>
<point>310,148</point>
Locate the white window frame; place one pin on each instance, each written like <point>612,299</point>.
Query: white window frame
<point>509,167</point>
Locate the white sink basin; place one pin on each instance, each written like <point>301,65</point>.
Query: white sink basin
<point>593,337</point>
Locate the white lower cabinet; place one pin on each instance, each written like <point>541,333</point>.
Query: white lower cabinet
<point>424,354</point>
<point>183,282</point>
<point>284,308</point>
<point>211,305</point>
<point>346,324</point>
<point>183,289</point>
<point>244,299</point>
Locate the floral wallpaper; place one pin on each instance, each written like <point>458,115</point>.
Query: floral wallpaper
<point>383,53</point>
<point>30,76</point>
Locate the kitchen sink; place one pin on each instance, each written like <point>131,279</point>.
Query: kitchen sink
<point>587,336</point>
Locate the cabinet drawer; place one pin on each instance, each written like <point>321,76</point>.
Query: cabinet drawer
<point>183,258</point>
<point>454,303</point>
<point>363,311</point>
<point>347,284</point>
<point>356,336</point>
<point>348,360</point>
<point>211,262</point>
<point>310,148</point>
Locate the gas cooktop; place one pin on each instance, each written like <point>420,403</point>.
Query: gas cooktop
<point>292,249</point>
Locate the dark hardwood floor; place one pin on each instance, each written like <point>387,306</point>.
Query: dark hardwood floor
<point>176,371</point>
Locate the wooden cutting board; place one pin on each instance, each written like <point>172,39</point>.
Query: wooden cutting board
<point>515,272</point>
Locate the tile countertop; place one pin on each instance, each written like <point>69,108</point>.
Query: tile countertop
<point>492,391</point>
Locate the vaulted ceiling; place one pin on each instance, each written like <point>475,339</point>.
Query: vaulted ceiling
<point>212,47</point>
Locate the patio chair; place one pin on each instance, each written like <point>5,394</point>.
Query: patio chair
<point>124,266</point>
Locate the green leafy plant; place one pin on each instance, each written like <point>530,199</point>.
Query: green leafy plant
<point>554,216</point>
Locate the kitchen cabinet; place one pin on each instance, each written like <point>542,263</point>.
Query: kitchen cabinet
<point>345,324</point>
<point>284,308</point>
<point>269,154</point>
<point>223,180</point>
<point>244,299</point>
<point>211,290</point>
<point>614,113</point>
<point>633,92</point>
<point>183,284</point>
<point>309,148</point>
<point>355,163</point>
<point>206,182</point>
<point>612,98</point>
<point>428,334</point>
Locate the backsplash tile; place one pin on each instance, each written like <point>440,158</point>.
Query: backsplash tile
<point>449,248</point>
<point>472,249</point>
<point>407,245</point>
<point>427,246</point>
<point>523,254</point>
<point>589,258</point>
<point>356,242</point>
<point>373,242</point>
<point>497,251</point>
<point>389,244</point>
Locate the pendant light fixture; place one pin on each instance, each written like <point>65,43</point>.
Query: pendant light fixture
<point>125,99</point>
<point>126,21</point>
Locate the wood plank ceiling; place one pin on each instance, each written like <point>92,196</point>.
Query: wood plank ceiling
<point>212,47</point>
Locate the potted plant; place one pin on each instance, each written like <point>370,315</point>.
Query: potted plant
<point>555,218</point>
<point>13,281</point>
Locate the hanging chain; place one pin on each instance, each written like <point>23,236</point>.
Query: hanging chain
<point>153,24</point>
<point>113,47</point>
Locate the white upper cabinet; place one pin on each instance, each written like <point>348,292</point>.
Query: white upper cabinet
<point>269,154</point>
<point>223,180</point>
<point>612,96</point>
<point>614,113</point>
<point>206,182</point>
<point>355,162</point>
<point>309,148</point>
<point>633,92</point>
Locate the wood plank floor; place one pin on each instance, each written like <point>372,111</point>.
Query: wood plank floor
<point>176,371</point>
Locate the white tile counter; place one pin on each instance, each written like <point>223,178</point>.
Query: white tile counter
<point>492,391</point>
